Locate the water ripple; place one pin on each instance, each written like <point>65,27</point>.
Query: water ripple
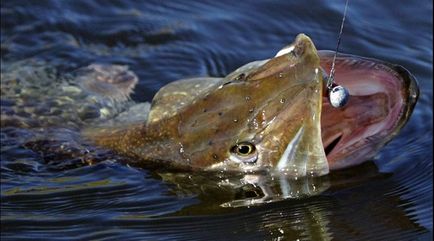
<point>44,196</point>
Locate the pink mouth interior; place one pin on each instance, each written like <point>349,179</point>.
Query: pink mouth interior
<point>378,103</point>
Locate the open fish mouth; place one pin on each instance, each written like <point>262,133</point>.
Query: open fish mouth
<point>382,98</point>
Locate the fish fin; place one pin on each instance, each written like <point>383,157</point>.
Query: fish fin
<point>115,82</point>
<point>174,96</point>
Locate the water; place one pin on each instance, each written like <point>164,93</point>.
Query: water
<point>49,195</point>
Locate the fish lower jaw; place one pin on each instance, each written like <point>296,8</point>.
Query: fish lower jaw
<point>295,172</point>
<point>230,166</point>
<point>303,156</point>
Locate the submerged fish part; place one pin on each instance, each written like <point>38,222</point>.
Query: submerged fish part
<point>114,82</point>
<point>211,123</point>
<point>35,94</point>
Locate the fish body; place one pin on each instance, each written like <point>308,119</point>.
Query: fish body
<point>271,115</point>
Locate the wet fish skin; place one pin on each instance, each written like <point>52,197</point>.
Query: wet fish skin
<point>277,106</point>
<point>265,103</point>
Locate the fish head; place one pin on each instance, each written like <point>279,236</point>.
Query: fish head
<point>275,115</point>
<point>263,116</point>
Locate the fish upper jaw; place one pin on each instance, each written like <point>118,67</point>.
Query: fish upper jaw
<point>301,51</point>
<point>295,133</point>
<point>300,151</point>
<point>285,95</point>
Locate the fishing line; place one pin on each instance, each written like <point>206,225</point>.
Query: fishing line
<point>338,95</point>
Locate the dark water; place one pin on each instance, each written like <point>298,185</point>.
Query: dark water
<point>49,195</point>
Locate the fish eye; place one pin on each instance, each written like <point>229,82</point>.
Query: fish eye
<point>243,149</point>
<point>244,152</point>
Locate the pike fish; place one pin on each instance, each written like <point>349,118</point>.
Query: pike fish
<point>271,116</point>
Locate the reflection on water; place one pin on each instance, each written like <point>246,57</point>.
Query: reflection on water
<point>49,190</point>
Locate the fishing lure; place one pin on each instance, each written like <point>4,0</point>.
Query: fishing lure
<point>337,94</point>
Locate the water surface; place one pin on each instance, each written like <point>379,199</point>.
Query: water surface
<point>47,194</point>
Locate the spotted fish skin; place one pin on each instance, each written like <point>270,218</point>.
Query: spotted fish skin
<point>274,105</point>
<point>270,115</point>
